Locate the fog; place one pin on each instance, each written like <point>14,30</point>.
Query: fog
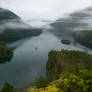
<point>44,9</point>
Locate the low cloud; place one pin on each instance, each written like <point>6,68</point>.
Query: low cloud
<point>44,9</point>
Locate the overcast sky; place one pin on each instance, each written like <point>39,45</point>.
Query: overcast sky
<point>44,9</point>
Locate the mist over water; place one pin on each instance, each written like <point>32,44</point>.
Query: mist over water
<point>43,9</point>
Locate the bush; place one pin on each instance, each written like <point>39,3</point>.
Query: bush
<point>80,82</point>
<point>7,88</point>
<point>41,82</point>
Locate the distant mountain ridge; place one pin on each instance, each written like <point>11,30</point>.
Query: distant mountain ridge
<point>75,19</point>
<point>68,27</point>
<point>12,28</point>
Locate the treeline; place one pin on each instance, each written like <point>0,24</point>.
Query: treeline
<point>67,61</point>
<point>9,88</point>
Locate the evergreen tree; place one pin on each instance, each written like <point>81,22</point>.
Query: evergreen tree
<point>7,88</point>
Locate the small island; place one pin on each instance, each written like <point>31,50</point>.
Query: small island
<point>5,53</point>
<point>67,42</point>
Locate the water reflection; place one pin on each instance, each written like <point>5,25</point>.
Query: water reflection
<point>29,63</point>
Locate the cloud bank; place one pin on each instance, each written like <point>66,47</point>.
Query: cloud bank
<point>44,9</point>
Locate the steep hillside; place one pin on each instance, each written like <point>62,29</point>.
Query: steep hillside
<point>67,61</point>
<point>7,15</point>
<point>69,82</point>
<point>70,27</point>
<point>67,71</point>
<point>12,28</point>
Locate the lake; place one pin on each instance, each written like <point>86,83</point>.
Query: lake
<point>30,56</point>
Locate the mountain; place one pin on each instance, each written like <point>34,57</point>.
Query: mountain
<point>74,25</point>
<point>7,15</point>
<point>12,28</point>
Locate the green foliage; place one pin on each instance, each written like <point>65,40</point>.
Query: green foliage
<point>67,61</point>
<point>80,82</point>
<point>41,82</point>
<point>10,35</point>
<point>53,67</point>
<point>66,41</point>
<point>7,88</point>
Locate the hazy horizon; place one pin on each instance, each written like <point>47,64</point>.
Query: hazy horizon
<point>43,9</point>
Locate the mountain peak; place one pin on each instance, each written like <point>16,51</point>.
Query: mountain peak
<point>6,14</point>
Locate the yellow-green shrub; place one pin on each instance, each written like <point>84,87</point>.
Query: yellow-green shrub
<point>80,82</point>
<point>50,88</point>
